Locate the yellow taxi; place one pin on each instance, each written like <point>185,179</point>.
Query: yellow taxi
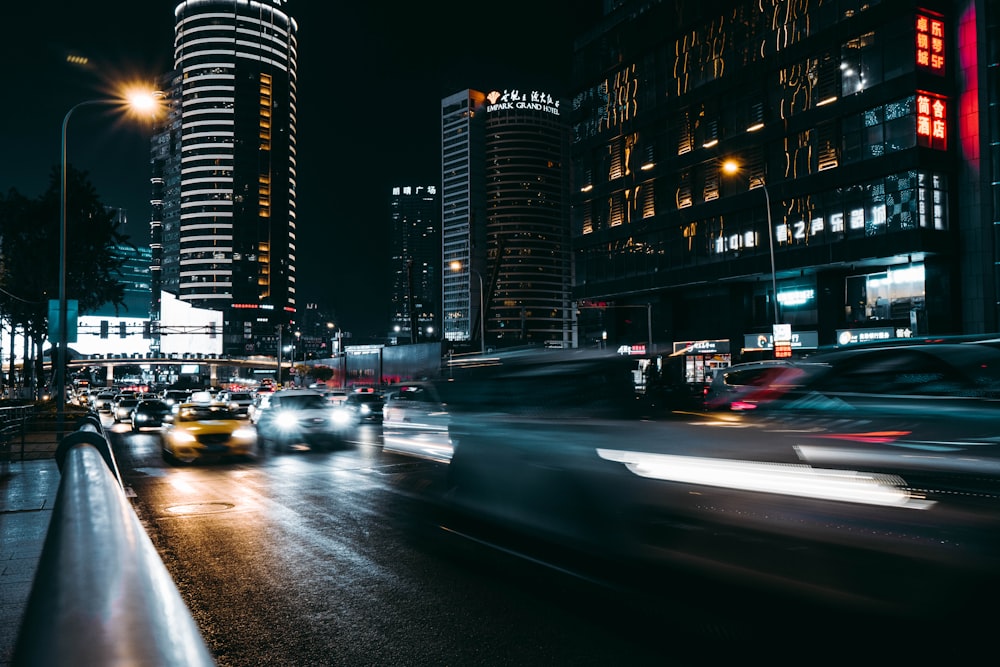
<point>207,430</point>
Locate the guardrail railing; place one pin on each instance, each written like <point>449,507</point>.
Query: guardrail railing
<point>101,595</point>
<point>12,425</point>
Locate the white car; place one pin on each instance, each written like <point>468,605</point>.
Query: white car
<point>300,416</point>
<point>415,422</point>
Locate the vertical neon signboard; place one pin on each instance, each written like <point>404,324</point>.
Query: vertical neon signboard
<point>932,120</point>
<point>930,44</point>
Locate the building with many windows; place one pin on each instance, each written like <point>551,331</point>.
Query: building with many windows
<point>505,210</point>
<point>828,165</point>
<point>415,262</point>
<point>223,224</point>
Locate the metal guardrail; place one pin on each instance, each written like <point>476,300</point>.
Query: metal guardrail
<point>101,595</point>
<point>13,420</point>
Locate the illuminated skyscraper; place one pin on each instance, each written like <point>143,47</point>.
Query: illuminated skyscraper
<point>224,172</point>
<point>463,213</point>
<point>415,262</point>
<point>865,204</point>
<point>505,217</point>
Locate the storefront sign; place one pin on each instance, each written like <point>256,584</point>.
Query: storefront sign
<point>801,340</point>
<point>854,336</point>
<point>932,120</point>
<point>701,347</point>
<point>930,44</point>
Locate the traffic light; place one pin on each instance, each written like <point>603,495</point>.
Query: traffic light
<point>121,330</point>
<point>147,329</point>
<point>104,328</point>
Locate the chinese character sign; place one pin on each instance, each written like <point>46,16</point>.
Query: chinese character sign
<point>930,44</point>
<point>932,119</point>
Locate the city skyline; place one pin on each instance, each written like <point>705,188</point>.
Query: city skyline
<point>379,124</point>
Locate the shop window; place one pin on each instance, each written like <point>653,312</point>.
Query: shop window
<point>886,295</point>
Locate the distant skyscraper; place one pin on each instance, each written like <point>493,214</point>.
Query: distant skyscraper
<point>463,213</point>
<point>224,175</point>
<point>505,215</point>
<point>415,242</point>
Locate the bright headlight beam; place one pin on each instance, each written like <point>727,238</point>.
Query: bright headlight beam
<point>785,479</point>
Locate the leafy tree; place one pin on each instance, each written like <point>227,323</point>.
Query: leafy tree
<point>29,253</point>
<point>322,372</point>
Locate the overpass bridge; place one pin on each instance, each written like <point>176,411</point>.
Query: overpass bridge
<point>214,363</point>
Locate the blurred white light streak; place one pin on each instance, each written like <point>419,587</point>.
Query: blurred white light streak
<point>786,479</point>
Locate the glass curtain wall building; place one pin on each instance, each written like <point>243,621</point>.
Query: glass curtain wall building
<point>505,242</point>
<point>224,178</point>
<point>860,199</point>
<point>415,262</point>
<point>463,214</point>
<point>527,214</point>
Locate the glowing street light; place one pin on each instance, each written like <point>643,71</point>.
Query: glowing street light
<point>139,102</point>
<point>733,167</point>
<point>458,266</point>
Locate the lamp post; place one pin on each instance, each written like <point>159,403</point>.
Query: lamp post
<point>138,101</point>
<point>457,266</point>
<point>732,167</point>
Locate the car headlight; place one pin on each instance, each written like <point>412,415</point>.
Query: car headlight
<point>366,409</point>
<point>183,436</point>
<point>286,420</point>
<point>245,433</point>
<point>340,417</point>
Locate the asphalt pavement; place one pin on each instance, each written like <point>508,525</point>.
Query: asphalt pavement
<point>28,492</point>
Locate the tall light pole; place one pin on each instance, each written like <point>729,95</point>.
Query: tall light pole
<point>138,101</point>
<point>458,266</point>
<point>732,167</point>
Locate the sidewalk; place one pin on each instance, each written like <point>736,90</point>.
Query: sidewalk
<point>27,495</point>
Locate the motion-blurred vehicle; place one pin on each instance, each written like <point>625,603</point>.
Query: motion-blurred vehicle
<point>238,401</point>
<point>415,422</point>
<point>123,407</point>
<point>748,385</point>
<point>854,487</point>
<point>364,406</point>
<point>301,416</point>
<point>207,430</point>
<point>149,413</point>
<point>103,401</point>
<point>260,403</point>
<point>175,396</point>
<point>335,396</point>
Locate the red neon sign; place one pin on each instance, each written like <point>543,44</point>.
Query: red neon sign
<point>932,121</point>
<point>930,44</point>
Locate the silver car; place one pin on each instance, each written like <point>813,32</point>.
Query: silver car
<point>296,417</point>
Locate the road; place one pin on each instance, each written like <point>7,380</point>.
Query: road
<point>344,558</point>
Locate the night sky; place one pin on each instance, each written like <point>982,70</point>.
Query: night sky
<point>371,78</point>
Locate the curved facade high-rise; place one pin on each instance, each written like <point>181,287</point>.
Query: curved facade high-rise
<point>505,211</point>
<point>235,68</point>
<point>527,213</point>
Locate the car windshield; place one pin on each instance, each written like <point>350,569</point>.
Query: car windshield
<point>153,405</point>
<point>304,402</point>
<point>204,413</point>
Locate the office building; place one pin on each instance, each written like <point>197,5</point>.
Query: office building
<point>223,224</point>
<point>863,200</point>
<point>505,197</point>
<point>463,214</point>
<point>415,262</point>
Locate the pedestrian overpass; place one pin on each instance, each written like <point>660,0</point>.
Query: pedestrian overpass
<point>261,365</point>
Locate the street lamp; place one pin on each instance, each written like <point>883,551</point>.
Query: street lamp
<point>733,167</point>
<point>457,266</point>
<point>139,102</point>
